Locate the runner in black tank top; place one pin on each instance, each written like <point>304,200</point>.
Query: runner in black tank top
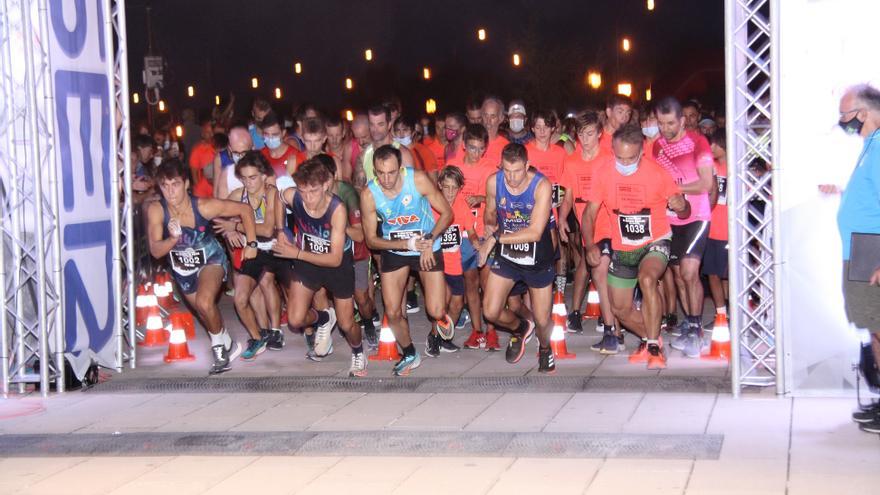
<point>166,236</point>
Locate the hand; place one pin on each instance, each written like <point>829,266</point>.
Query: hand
<point>174,229</point>
<point>427,260</point>
<point>676,203</point>
<point>235,239</point>
<point>563,231</point>
<point>412,243</point>
<point>489,230</point>
<point>424,245</point>
<point>486,249</point>
<point>474,201</point>
<point>875,278</point>
<point>249,253</point>
<point>593,255</point>
<point>283,248</point>
<point>829,189</point>
<point>476,242</point>
<point>224,226</point>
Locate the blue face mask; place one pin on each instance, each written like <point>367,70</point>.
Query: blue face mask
<point>627,169</point>
<point>272,142</point>
<point>650,131</point>
<point>406,140</point>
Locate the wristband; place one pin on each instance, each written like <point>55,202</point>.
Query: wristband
<point>411,244</point>
<point>428,236</point>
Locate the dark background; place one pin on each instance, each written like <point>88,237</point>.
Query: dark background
<point>218,45</point>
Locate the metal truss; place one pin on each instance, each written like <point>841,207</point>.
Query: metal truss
<point>752,86</point>
<point>30,270</point>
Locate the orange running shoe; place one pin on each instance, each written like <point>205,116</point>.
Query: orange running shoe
<point>656,359</point>
<point>640,355</point>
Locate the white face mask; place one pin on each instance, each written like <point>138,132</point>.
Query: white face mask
<point>406,140</point>
<point>516,125</point>
<point>650,131</point>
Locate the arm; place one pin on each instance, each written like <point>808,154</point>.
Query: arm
<point>588,221</point>
<point>159,247</point>
<point>285,197</point>
<point>428,189</point>
<point>679,205</point>
<point>713,192</point>
<point>701,185</point>
<point>490,213</point>
<point>220,189</point>
<point>407,156</point>
<point>338,221</point>
<point>369,222</point>
<point>358,176</point>
<point>213,208</point>
<point>564,211</point>
<point>540,217</point>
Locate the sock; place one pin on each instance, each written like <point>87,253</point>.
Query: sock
<point>522,327</point>
<point>221,338</point>
<point>653,342</point>
<point>368,324</point>
<point>694,322</point>
<point>560,283</point>
<point>276,329</point>
<point>409,350</point>
<point>721,310</point>
<point>357,350</point>
<point>323,317</point>
<point>672,318</point>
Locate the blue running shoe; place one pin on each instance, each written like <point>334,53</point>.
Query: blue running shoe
<point>407,364</point>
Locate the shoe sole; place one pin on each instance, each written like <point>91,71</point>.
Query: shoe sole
<point>609,353</point>
<point>869,430</point>
<point>449,351</point>
<point>548,372</point>
<point>863,421</point>
<point>408,370</point>
<point>412,310</point>
<point>357,375</point>
<point>530,330</point>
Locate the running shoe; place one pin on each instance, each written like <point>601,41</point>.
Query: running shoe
<point>412,302</point>
<point>609,342</point>
<point>323,337</point>
<point>693,345</point>
<point>866,414</point>
<point>432,345</point>
<point>223,357</point>
<point>680,342</point>
<point>370,336</point>
<point>463,319</point>
<point>680,329</point>
<point>668,322</point>
<point>574,324</point>
<point>358,365</point>
<point>445,328</point>
<point>407,364</point>
<point>448,346</point>
<point>492,343</point>
<point>516,347</point>
<point>255,347</point>
<point>621,346</point>
<point>656,360</point>
<point>274,340</point>
<point>546,361</point>
<point>640,355</point>
<point>474,341</point>
<point>872,426</point>
<point>310,348</point>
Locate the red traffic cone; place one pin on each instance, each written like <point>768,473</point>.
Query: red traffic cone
<point>178,350</point>
<point>387,344</point>
<point>593,309</point>
<point>720,349</point>
<point>155,334</point>
<point>557,337</point>
<point>141,304</point>
<point>181,318</point>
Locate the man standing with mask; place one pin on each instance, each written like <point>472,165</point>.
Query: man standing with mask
<point>493,114</point>
<point>224,164</point>
<point>516,122</point>
<point>860,213</point>
<point>379,118</point>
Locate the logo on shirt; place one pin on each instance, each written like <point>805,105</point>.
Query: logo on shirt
<point>403,220</point>
<point>406,200</point>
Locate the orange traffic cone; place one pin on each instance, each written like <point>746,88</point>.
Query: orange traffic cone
<point>557,337</point>
<point>178,350</point>
<point>181,318</point>
<point>387,344</point>
<point>720,349</point>
<point>162,289</point>
<point>593,309</point>
<point>156,334</point>
<point>141,304</point>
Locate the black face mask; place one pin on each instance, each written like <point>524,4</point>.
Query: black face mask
<point>852,126</point>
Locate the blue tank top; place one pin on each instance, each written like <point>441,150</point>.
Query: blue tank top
<point>406,215</point>
<point>196,246</point>
<point>514,213</point>
<point>313,234</point>
<point>226,159</point>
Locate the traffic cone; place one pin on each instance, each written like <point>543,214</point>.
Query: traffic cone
<point>178,350</point>
<point>155,334</point>
<point>720,349</point>
<point>593,309</point>
<point>387,344</point>
<point>162,289</point>
<point>169,289</point>
<point>557,337</point>
<point>141,304</point>
<point>181,318</point>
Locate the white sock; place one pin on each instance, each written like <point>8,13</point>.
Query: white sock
<point>221,338</point>
<point>721,310</point>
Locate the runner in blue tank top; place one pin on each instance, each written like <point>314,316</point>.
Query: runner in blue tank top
<point>402,199</point>
<point>322,254</point>
<point>178,226</point>
<point>518,204</point>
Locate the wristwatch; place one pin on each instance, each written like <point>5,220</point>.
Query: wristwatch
<point>252,244</point>
<point>428,236</point>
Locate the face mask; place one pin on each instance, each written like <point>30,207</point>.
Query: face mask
<point>272,142</point>
<point>288,124</point>
<point>166,144</point>
<point>236,156</point>
<point>852,126</point>
<point>650,131</point>
<point>451,135</point>
<point>626,169</point>
<point>406,140</point>
<point>157,160</point>
<point>516,125</point>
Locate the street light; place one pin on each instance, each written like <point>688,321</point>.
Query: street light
<point>648,94</point>
<point>297,68</point>
<point>349,116</point>
<point>650,4</point>
<point>349,84</point>
<point>481,34</point>
<point>430,106</point>
<point>426,73</point>
<point>161,105</point>
<point>594,79</point>
<point>217,100</point>
<point>625,44</point>
<point>255,83</point>
<point>136,98</point>
<point>277,93</point>
<point>178,131</point>
<point>190,91</point>
<point>625,89</point>
<point>368,54</point>
<point>516,60</point>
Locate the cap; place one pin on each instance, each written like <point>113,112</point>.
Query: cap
<point>516,108</point>
<point>706,122</point>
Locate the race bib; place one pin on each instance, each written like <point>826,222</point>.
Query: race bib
<point>521,254</point>
<point>722,190</point>
<point>558,194</point>
<point>635,228</point>
<point>451,238</point>
<point>188,261</point>
<point>402,235</point>
<point>315,244</point>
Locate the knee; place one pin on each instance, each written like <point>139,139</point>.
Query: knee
<point>491,313</point>
<point>393,313</point>
<point>296,318</point>
<point>205,304</point>
<point>647,282</point>
<point>241,300</point>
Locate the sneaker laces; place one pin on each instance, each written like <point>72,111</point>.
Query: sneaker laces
<point>357,360</point>
<point>218,352</point>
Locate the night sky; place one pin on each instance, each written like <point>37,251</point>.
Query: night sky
<point>218,45</point>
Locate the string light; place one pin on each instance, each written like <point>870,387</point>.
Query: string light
<point>255,83</point>
<point>178,131</point>
<point>648,94</point>
<point>650,4</point>
<point>368,54</point>
<point>481,34</point>
<point>516,60</point>
<point>136,98</point>
<point>277,93</point>
<point>625,44</point>
<point>190,91</point>
<point>430,106</point>
<point>217,100</point>
<point>625,89</point>
<point>594,79</point>
<point>161,105</point>
<point>426,73</point>
<point>297,68</point>
<point>349,84</point>
<point>349,116</point>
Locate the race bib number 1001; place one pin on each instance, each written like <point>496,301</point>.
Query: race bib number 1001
<point>315,244</point>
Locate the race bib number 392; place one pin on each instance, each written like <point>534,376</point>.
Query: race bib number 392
<point>451,237</point>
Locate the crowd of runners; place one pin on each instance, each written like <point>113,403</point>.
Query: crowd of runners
<point>310,221</point>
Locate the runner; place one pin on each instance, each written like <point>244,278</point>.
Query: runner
<point>322,254</point>
<point>380,134</point>
<point>359,139</point>
<point>518,203</point>
<point>178,226</point>
<point>715,259</point>
<point>402,198</point>
<point>493,115</point>
<point>636,192</point>
<point>686,156</point>
<point>618,112</point>
<point>516,123</point>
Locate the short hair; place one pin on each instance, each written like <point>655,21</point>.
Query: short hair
<point>456,116</point>
<point>476,131</point>
<point>262,105</point>
<point>220,140</point>
<point>473,104</point>
<point>868,95</point>
<point>719,138</point>
<point>548,116</point>
<point>313,125</point>
<point>172,168</point>
<point>405,121</point>
<point>332,121</point>
<point>588,118</point>
<point>495,99</point>
<point>380,110</point>
<point>254,159</point>
<point>515,152</point>
<point>629,134</point>
<point>431,128</point>
<point>669,105</point>
<point>618,99</point>
<point>386,151</point>
<point>692,104</point>
<point>327,161</point>
<point>143,141</point>
<point>451,172</point>
<point>311,172</point>
<point>392,104</point>
<point>269,120</point>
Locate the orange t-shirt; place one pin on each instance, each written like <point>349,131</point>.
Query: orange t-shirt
<point>718,224</point>
<point>636,203</point>
<point>577,177</point>
<point>605,141</point>
<point>424,157</point>
<point>475,177</point>
<point>494,149</point>
<point>202,156</point>
<point>450,242</point>
<point>279,165</point>
<point>548,163</point>
<point>437,149</point>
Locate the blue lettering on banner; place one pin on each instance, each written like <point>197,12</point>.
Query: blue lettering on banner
<point>73,42</point>
<point>83,236</point>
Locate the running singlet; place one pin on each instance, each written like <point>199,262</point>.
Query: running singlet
<point>313,234</point>
<point>406,215</point>
<point>718,226</point>
<point>494,149</point>
<point>352,201</point>
<point>280,164</point>
<point>514,213</point>
<point>369,171</point>
<point>681,159</point>
<point>196,247</point>
<point>636,203</point>
<point>263,243</point>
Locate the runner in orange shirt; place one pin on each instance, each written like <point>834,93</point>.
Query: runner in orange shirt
<point>493,114</point>
<point>423,158</point>
<point>636,191</point>
<point>201,159</point>
<point>430,138</point>
<point>454,132</point>
<point>618,112</point>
